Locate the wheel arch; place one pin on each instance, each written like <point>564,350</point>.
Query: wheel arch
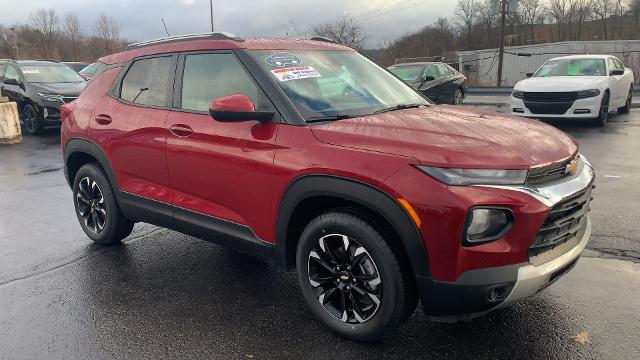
<point>311,195</point>
<point>78,152</point>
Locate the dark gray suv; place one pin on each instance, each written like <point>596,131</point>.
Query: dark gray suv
<point>39,88</point>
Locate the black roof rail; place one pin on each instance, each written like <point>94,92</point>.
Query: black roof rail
<point>323,39</point>
<point>198,36</point>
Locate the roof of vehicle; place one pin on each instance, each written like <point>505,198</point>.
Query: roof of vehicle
<point>37,62</point>
<point>75,62</point>
<point>217,41</point>
<point>425,63</point>
<point>582,57</point>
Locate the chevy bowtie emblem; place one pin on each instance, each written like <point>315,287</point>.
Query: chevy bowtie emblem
<point>572,167</point>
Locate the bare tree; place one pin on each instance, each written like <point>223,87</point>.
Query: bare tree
<point>531,13</point>
<point>45,22</point>
<point>487,17</point>
<point>603,9</point>
<point>634,12</point>
<point>559,11</point>
<point>108,31</point>
<point>466,15</point>
<point>580,11</point>
<point>73,32</point>
<point>345,31</point>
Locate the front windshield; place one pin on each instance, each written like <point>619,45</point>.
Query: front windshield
<point>50,74</point>
<point>572,67</point>
<point>335,83</point>
<point>409,73</point>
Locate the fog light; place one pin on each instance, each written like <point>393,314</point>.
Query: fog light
<point>45,113</point>
<point>518,110</point>
<point>487,224</point>
<point>582,111</point>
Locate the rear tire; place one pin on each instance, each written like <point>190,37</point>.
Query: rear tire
<point>31,120</point>
<point>96,207</point>
<point>603,115</point>
<point>627,106</point>
<point>351,279</point>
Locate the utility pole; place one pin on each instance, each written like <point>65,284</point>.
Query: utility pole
<point>15,43</point>
<point>503,13</point>
<point>211,13</point>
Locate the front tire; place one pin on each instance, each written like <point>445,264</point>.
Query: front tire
<point>31,120</point>
<point>603,115</point>
<point>350,277</point>
<point>627,105</point>
<point>458,97</point>
<point>96,207</point>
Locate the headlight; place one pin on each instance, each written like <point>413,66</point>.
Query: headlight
<point>587,93</point>
<point>517,94</point>
<point>453,176</point>
<point>51,97</point>
<point>487,224</point>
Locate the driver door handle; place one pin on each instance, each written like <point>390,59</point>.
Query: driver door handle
<point>181,130</point>
<point>103,119</point>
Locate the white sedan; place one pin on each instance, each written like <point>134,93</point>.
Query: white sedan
<point>580,86</point>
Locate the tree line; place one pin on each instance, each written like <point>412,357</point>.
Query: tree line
<point>48,35</point>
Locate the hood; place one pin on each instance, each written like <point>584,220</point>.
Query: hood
<point>451,136</point>
<point>65,89</point>
<point>560,83</point>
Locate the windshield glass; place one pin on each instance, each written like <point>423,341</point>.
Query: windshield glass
<point>572,67</point>
<point>411,73</point>
<point>50,74</point>
<point>335,83</point>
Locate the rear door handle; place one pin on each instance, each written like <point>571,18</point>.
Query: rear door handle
<point>181,130</point>
<point>103,119</point>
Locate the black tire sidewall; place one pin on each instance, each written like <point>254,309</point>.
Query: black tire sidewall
<point>39,126</point>
<point>603,118</point>
<point>109,235</point>
<point>387,265</point>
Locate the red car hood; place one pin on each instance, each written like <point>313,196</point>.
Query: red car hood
<point>452,136</point>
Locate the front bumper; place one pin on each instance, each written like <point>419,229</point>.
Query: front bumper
<point>577,111</point>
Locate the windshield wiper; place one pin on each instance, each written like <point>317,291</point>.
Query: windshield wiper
<point>398,107</point>
<point>328,118</point>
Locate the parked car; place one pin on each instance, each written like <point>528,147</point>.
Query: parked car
<point>309,155</point>
<point>76,65</point>
<point>88,71</point>
<point>39,88</point>
<point>578,86</point>
<point>438,81</point>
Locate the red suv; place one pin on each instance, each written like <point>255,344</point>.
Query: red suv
<point>309,155</point>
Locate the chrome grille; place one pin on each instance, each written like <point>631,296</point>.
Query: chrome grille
<point>68,99</point>
<point>563,223</point>
<point>551,172</point>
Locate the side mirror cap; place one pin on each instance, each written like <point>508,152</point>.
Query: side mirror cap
<point>529,74</point>
<point>11,82</point>
<point>236,108</point>
<point>429,78</point>
<point>616,72</point>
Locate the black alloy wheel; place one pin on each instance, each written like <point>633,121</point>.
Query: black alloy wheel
<point>627,105</point>
<point>91,205</point>
<point>345,278</point>
<point>31,120</point>
<point>458,97</point>
<point>603,115</point>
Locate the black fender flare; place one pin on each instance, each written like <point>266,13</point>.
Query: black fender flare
<point>80,145</point>
<point>365,195</point>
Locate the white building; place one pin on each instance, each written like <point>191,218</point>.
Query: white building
<point>481,66</point>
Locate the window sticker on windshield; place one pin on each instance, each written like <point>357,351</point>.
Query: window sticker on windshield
<point>282,59</point>
<point>573,69</point>
<point>30,70</point>
<point>295,73</point>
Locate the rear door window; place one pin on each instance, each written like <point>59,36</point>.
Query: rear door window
<point>149,81</point>
<point>210,76</point>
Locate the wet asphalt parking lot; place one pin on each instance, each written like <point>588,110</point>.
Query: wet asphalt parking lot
<point>166,295</point>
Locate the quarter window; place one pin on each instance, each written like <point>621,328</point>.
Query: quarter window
<point>12,73</point>
<point>148,81</point>
<point>210,76</point>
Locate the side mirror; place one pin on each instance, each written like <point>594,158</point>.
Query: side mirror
<point>616,72</point>
<point>236,108</point>
<point>429,78</point>
<point>529,74</point>
<point>11,81</point>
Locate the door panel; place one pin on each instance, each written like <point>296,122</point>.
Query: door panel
<point>132,130</point>
<point>222,170</point>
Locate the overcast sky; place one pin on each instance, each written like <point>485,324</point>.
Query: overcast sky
<point>383,20</point>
